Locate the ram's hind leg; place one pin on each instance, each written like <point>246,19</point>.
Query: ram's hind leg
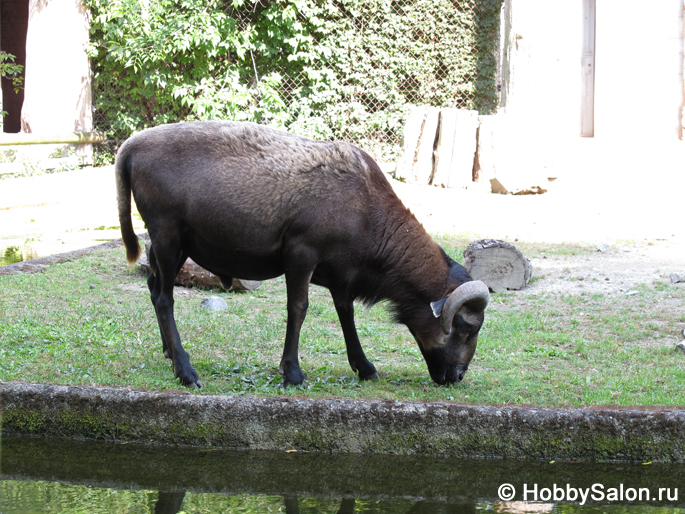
<point>168,259</point>
<point>355,353</point>
<point>155,285</point>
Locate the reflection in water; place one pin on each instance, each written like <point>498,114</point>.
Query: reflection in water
<point>169,502</point>
<point>12,254</point>
<point>51,498</point>
<point>62,476</point>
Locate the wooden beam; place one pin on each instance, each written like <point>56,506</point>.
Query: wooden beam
<point>587,61</point>
<point>48,139</point>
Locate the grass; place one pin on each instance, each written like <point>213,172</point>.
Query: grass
<point>90,322</point>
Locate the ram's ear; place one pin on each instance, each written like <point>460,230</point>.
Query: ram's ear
<point>436,307</point>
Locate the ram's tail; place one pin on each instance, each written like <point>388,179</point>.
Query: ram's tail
<point>122,170</point>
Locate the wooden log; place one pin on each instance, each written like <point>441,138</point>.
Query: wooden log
<point>456,148</point>
<point>423,167</point>
<point>194,275</point>
<point>464,149</point>
<point>411,134</point>
<point>499,264</point>
<point>445,147</point>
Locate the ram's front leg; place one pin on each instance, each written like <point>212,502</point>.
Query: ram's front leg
<point>355,354</point>
<point>300,265</point>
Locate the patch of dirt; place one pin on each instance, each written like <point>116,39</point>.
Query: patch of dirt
<point>618,270</point>
<point>641,226</point>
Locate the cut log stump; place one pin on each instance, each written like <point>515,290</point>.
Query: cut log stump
<point>456,148</point>
<point>194,275</point>
<point>499,264</point>
<point>416,162</point>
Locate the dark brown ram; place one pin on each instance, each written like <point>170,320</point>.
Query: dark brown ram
<point>243,200</point>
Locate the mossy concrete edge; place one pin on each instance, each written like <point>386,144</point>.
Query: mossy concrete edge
<point>342,425</point>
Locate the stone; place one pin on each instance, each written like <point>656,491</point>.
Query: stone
<point>214,303</point>
<point>677,277</point>
<point>515,187</point>
<point>499,264</point>
<point>603,248</point>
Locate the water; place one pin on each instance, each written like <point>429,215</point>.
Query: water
<point>62,476</point>
<point>12,254</point>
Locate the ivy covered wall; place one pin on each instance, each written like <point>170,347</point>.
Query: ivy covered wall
<point>328,69</point>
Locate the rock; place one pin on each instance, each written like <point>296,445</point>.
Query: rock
<point>677,277</point>
<point>680,346</point>
<point>515,188</point>
<point>603,248</point>
<point>499,264</point>
<point>214,303</point>
<point>192,274</point>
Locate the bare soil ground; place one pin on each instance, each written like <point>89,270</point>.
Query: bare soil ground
<point>639,230</point>
<point>640,222</point>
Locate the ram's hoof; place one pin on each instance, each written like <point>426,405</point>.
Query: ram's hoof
<point>293,378</point>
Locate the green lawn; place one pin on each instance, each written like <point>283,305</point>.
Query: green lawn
<point>90,322</point>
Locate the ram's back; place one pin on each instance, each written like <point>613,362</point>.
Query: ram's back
<point>242,185</point>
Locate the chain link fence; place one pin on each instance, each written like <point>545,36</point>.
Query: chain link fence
<point>365,63</point>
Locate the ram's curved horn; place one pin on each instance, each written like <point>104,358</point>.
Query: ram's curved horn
<point>475,291</point>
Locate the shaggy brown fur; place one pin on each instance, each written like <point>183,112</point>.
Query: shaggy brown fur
<point>243,200</point>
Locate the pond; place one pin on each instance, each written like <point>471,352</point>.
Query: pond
<point>12,254</point>
<point>65,476</point>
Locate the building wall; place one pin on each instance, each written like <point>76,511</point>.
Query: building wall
<point>638,83</point>
<point>57,88</point>
<point>541,63</point>
<point>638,66</point>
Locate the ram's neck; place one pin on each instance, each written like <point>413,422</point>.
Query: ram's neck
<point>415,268</point>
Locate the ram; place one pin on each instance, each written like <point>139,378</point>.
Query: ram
<point>243,200</point>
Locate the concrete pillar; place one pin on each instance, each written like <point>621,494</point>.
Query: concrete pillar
<point>57,88</point>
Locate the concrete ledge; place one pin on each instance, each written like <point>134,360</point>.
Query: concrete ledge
<point>337,425</point>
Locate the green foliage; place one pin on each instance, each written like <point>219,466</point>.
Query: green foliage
<point>330,69</point>
<point>9,69</point>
